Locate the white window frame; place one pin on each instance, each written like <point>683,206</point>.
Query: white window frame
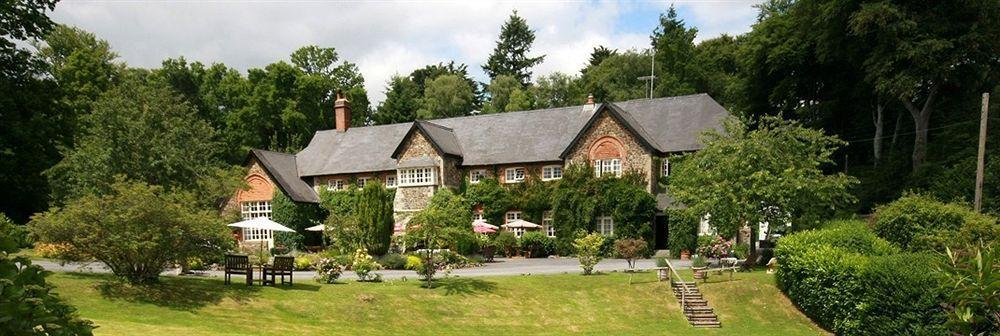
<point>256,209</point>
<point>608,166</point>
<point>362,181</point>
<point>421,176</point>
<point>518,232</point>
<point>553,172</point>
<point>665,170</point>
<point>547,224</point>
<point>511,216</point>
<point>335,185</point>
<point>477,175</point>
<point>606,225</point>
<point>390,181</point>
<point>511,175</point>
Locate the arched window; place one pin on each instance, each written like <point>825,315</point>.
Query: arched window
<point>607,156</point>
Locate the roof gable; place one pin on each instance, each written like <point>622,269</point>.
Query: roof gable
<point>441,138</point>
<point>282,169</point>
<point>623,118</point>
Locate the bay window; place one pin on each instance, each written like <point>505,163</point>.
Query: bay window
<point>417,176</point>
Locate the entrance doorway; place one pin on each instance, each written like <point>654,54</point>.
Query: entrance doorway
<point>660,232</point>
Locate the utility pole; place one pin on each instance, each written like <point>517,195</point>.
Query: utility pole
<point>981,165</point>
<point>652,74</point>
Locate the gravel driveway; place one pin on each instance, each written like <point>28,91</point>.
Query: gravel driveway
<point>502,266</point>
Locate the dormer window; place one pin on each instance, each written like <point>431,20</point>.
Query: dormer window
<point>514,175</point>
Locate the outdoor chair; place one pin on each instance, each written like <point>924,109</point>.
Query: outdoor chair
<point>283,265</point>
<point>238,264</point>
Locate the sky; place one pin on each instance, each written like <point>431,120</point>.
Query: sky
<point>384,38</point>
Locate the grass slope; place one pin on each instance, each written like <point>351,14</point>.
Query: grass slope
<point>540,304</point>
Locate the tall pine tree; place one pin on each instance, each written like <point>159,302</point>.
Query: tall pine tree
<point>675,51</point>
<point>510,56</point>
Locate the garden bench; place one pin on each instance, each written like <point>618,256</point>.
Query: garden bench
<point>238,264</point>
<point>283,265</point>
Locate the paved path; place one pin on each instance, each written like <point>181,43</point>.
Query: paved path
<point>502,266</point>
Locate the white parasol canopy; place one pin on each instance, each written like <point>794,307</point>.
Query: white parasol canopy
<point>320,227</point>
<point>520,223</point>
<point>483,223</point>
<point>261,223</point>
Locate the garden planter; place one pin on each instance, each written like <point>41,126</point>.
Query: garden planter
<point>685,255</point>
<point>700,273</point>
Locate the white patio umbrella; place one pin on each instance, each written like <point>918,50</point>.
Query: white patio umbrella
<point>261,223</point>
<point>483,223</point>
<point>520,223</point>
<point>320,227</point>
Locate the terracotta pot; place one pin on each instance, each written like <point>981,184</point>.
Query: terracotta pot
<point>685,255</point>
<point>700,272</point>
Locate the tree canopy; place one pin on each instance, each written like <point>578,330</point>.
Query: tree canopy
<point>510,56</point>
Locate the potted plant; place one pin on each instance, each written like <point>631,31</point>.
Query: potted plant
<point>685,255</point>
<point>699,266</point>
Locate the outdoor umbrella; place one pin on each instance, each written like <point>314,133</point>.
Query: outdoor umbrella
<point>262,223</point>
<point>520,223</point>
<point>483,223</point>
<point>483,229</point>
<point>320,228</point>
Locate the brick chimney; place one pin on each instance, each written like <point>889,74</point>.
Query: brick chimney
<point>589,106</point>
<point>342,113</point>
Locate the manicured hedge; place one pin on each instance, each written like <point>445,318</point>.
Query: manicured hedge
<point>922,223</point>
<point>853,283</point>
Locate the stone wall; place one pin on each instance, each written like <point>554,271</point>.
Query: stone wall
<point>410,199</point>
<point>606,136</point>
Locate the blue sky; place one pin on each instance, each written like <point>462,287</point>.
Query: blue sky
<point>383,37</point>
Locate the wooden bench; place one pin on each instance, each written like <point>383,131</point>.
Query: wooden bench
<point>283,265</point>
<point>238,264</point>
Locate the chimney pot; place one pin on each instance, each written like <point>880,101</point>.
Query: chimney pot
<point>342,113</point>
<point>590,99</point>
<point>589,106</point>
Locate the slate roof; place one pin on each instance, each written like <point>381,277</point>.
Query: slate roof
<point>670,124</point>
<point>282,169</point>
<point>442,138</point>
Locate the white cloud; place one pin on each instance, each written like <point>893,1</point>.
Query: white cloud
<point>383,38</point>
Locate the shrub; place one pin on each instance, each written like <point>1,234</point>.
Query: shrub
<point>19,232</point>
<point>741,250</point>
<point>412,262</point>
<point>365,266</point>
<point>506,241</point>
<point>608,247</point>
<point>285,242</point>
<point>393,261</point>
<point>137,230</point>
<point>588,250</point>
<point>329,270</point>
<point>683,228</point>
<point>61,251</point>
<point>972,283</point>
<point>303,263</point>
<point>297,216</point>
<point>921,223</point>
<point>718,247</point>
<point>853,283</point>
<point>631,249</point>
<point>536,244</point>
<point>27,305</point>
<point>196,264</point>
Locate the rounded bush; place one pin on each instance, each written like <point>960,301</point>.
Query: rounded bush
<point>853,283</point>
<point>914,216</point>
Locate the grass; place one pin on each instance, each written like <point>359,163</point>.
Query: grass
<point>538,304</point>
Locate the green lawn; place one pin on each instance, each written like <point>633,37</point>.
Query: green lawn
<point>538,304</point>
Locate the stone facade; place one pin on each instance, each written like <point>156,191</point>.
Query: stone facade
<point>606,138</point>
<point>260,187</point>
<point>410,199</point>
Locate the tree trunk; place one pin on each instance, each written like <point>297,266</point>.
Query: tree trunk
<point>877,120</point>
<point>921,121</point>
<point>895,132</point>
